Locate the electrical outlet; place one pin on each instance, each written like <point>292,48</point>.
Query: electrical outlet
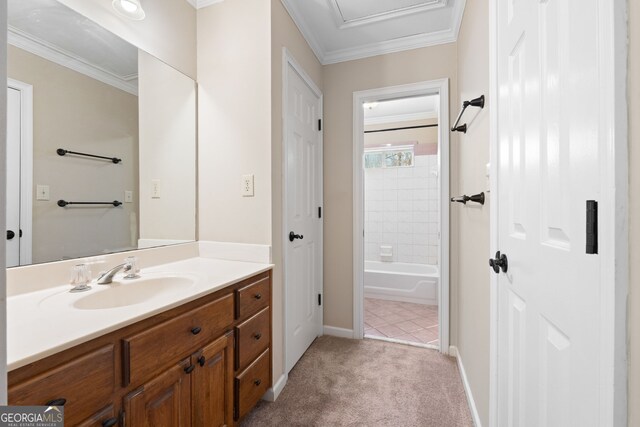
<point>42,192</point>
<point>155,188</point>
<point>128,196</point>
<point>247,186</point>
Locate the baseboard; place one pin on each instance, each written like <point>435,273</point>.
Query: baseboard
<point>272,394</point>
<point>338,332</point>
<point>453,351</point>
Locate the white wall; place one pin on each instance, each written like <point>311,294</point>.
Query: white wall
<point>401,211</point>
<point>168,31</point>
<point>167,105</point>
<point>3,181</point>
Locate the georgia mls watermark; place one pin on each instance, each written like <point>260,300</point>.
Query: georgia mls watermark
<point>31,416</point>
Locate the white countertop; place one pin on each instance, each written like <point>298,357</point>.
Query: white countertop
<point>45,322</point>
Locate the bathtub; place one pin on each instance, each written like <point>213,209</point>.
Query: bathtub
<point>396,281</point>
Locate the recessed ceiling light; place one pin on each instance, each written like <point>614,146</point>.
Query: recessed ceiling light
<point>131,9</point>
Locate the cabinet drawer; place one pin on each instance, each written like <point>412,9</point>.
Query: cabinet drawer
<point>253,383</point>
<point>85,383</point>
<point>149,351</point>
<point>106,417</point>
<point>253,338</point>
<point>253,297</point>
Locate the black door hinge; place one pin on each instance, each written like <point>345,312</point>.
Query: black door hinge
<point>319,211</point>
<point>592,227</point>
<point>319,124</point>
<point>319,299</point>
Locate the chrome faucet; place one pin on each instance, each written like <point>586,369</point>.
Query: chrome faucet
<point>107,277</point>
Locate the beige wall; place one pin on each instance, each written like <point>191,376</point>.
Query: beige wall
<point>167,106</point>
<point>634,214</point>
<point>234,130</point>
<point>473,236</point>
<point>420,135</point>
<point>168,31</point>
<point>284,33</point>
<point>78,113</point>
<point>340,81</point>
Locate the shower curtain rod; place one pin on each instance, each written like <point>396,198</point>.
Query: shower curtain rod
<point>404,128</point>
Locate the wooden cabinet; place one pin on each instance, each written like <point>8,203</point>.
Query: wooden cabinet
<point>177,368</point>
<point>164,401</point>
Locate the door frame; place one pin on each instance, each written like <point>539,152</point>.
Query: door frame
<point>612,216</point>
<point>26,167</point>
<point>432,87</point>
<point>289,61</point>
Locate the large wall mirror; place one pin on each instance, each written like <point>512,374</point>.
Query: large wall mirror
<point>101,151</point>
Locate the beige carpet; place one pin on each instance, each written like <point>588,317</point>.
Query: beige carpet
<point>341,382</point>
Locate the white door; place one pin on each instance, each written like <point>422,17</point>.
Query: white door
<point>14,125</point>
<point>549,139</point>
<point>303,225</point>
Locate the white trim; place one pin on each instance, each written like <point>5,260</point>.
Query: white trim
<point>403,342</point>
<point>467,387</point>
<point>26,168</point>
<point>338,332</point>
<point>384,16</point>
<point>66,59</point>
<point>289,60</point>
<point>204,3</point>
<point>381,48</point>
<point>272,394</point>
<point>400,118</point>
<point>304,28</point>
<point>440,87</point>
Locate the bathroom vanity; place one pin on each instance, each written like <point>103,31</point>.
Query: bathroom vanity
<point>205,361</point>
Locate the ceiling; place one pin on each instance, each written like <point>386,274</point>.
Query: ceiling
<point>343,30</point>
<point>53,31</point>
<point>402,110</point>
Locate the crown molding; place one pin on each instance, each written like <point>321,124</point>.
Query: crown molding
<point>374,49</point>
<point>381,17</point>
<point>199,4</point>
<point>302,25</point>
<point>400,118</point>
<point>66,59</point>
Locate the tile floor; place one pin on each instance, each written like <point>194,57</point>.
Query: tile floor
<point>401,320</point>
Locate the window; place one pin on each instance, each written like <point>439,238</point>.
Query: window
<point>391,157</point>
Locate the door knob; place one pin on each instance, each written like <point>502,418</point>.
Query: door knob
<point>10,234</point>
<point>499,263</point>
<point>293,236</point>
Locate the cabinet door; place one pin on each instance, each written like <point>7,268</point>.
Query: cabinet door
<point>212,384</point>
<point>164,401</point>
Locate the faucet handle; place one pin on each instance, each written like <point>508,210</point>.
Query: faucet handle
<point>131,268</point>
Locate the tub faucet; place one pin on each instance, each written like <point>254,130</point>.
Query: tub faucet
<point>107,277</point>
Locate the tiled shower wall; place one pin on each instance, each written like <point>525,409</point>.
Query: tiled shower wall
<point>401,211</point>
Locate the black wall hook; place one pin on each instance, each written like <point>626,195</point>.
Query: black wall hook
<point>476,102</point>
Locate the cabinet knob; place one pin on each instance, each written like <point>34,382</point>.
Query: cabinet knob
<point>258,296</point>
<point>257,336</point>
<point>201,360</point>
<point>56,402</point>
<point>257,382</point>
<point>189,369</point>
<point>110,422</point>
<point>196,330</point>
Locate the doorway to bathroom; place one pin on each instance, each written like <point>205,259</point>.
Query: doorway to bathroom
<point>401,239</point>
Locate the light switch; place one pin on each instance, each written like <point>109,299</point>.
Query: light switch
<point>247,186</point>
<point>155,188</point>
<point>128,196</point>
<point>42,192</point>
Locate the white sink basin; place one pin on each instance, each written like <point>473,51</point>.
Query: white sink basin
<point>123,293</point>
